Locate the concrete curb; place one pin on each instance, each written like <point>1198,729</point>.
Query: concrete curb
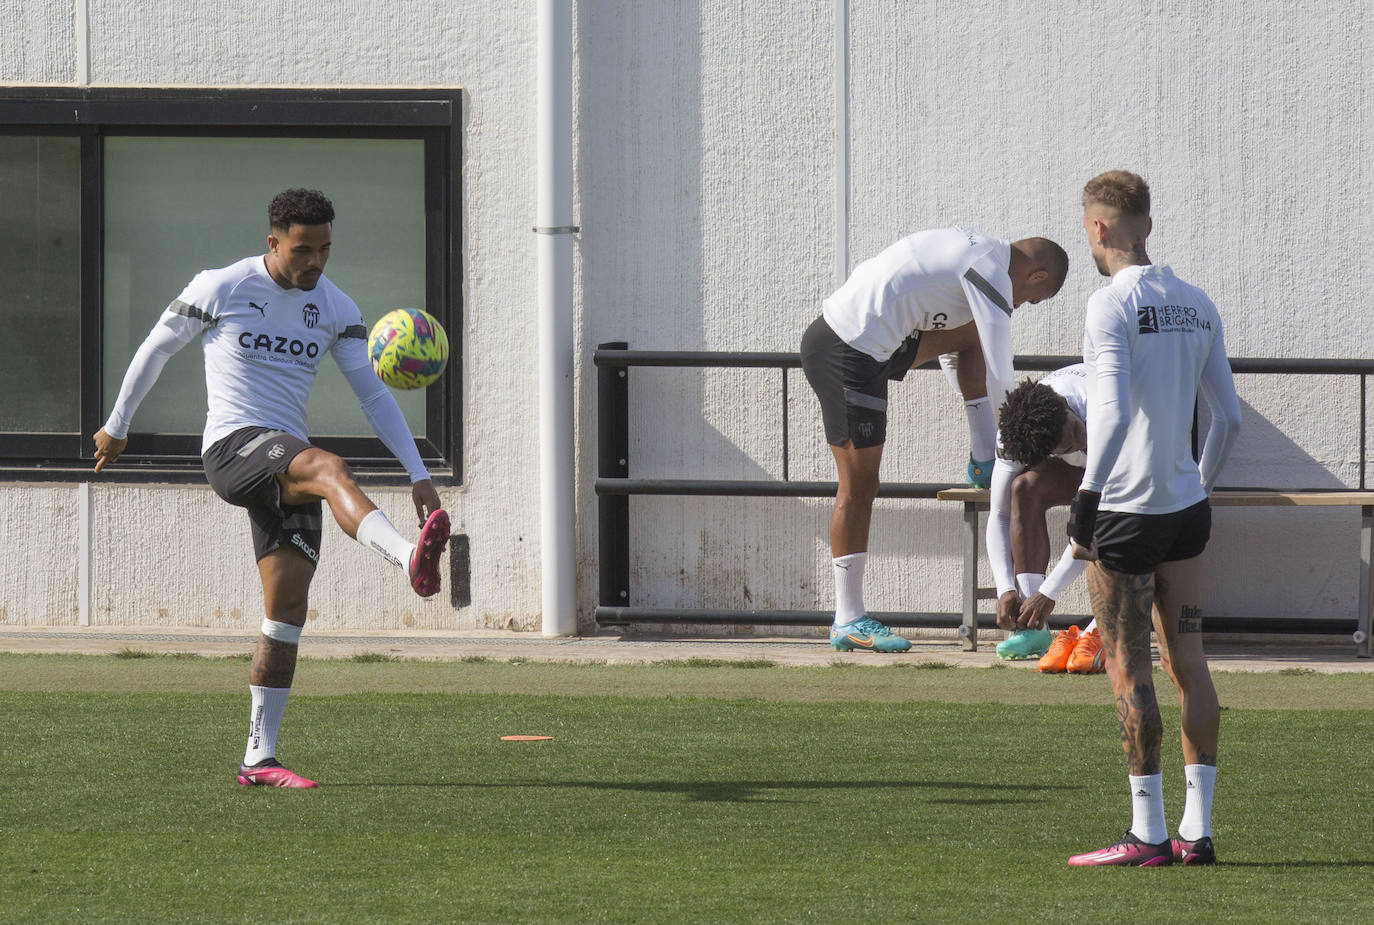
<point>1226,653</point>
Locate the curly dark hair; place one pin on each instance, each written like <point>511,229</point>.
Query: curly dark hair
<point>299,207</point>
<point>1031,422</point>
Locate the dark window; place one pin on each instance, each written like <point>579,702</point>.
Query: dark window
<point>114,199</point>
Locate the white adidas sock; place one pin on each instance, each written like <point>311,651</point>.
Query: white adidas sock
<point>1027,583</point>
<point>1197,805</point>
<point>269,703</point>
<point>376,532</point>
<point>849,587</point>
<point>1147,808</point>
<point>982,429</point>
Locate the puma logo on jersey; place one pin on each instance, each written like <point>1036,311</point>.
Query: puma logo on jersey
<point>262,309</point>
<point>278,344</point>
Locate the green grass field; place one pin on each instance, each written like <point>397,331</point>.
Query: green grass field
<point>669,793</point>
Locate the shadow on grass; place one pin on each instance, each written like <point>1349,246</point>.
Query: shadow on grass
<point>746,791</point>
<point>1282,864</point>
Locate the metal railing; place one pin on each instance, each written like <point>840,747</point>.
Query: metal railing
<point>614,486</point>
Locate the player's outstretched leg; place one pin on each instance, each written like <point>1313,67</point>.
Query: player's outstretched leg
<point>420,559</point>
<point>316,473</point>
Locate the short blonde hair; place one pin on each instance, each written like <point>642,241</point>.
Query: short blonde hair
<point>1119,189</point>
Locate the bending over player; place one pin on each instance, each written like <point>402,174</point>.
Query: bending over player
<point>1152,344</point>
<point>255,449</point>
<point>947,291</point>
<point>1042,436</point>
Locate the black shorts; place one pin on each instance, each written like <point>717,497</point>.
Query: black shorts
<point>1135,543</point>
<point>242,469</point>
<point>851,385</point>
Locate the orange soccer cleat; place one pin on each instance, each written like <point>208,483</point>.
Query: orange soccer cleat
<point>1056,660</point>
<point>1087,657</point>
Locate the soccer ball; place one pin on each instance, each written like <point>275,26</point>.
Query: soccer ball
<point>408,349</point>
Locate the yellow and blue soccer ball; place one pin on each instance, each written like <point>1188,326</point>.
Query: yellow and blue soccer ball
<point>408,348</point>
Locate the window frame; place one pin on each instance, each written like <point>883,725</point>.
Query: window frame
<point>433,116</point>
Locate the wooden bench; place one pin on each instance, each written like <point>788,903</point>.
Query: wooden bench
<point>975,502</point>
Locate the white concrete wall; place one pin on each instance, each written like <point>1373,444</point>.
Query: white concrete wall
<point>178,554</point>
<point>1251,121</point>
<point>705,177</point>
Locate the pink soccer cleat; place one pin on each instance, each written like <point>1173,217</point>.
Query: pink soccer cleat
<point>1193,853</point>
<point>424,562</point>
<point>1129,852</point>
<point>270,773</point>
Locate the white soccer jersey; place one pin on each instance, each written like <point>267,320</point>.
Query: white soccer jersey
<point>929,281</point>
<point>263,347</point>
<point>1152,342</point>
<point>1071,382</point>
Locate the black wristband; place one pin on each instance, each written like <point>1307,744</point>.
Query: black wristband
<point>1083,517</point>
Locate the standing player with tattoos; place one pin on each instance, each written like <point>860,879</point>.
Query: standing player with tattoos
<point>266,323</point>
<point>1152,344</point>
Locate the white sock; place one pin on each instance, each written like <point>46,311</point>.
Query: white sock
<point>1027,583</point>
<point>849,587</point>
<point>376,532</point>
<point>982,428</point>
<point>1197,805</point>
<point>269,703</point>
<point>1147,808</point>
<point>1090,627</point>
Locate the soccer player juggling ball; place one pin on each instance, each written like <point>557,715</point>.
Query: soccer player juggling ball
<point>266,323</point>
<point>946,291</point>
<point>1152,343</point>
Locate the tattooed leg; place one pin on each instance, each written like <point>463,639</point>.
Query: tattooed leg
<point>1122,604</point>
<point>274,663</point>
<point>285,591</point>
<point>1178,626</point>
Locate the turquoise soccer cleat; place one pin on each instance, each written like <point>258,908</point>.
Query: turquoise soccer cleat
<point>1024,644</point>
<point>867,635</point>
<point>979,473</point>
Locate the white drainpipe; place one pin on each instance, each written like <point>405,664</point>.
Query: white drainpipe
<point>554,228</point>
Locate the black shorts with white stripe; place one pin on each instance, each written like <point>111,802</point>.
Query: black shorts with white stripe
<point>851,386</point>
<point>242,468</point>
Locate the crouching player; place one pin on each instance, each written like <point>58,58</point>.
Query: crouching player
<point>1042,439</point>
